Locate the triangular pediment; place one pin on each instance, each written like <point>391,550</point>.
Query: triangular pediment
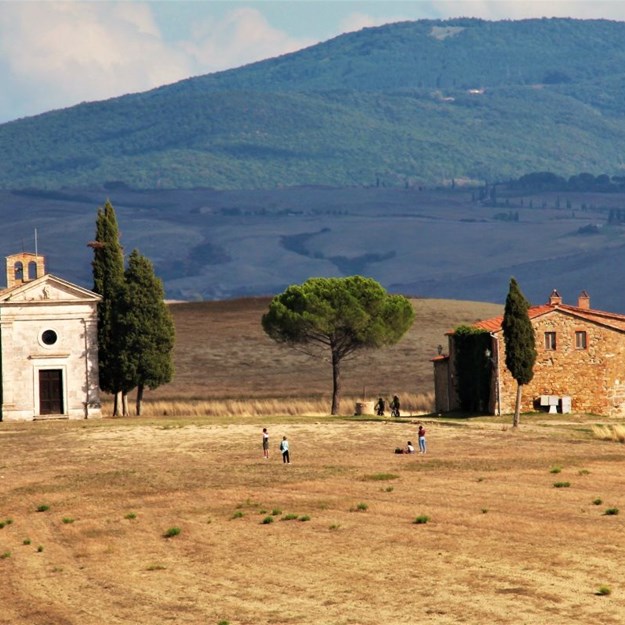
<point>48,288</point>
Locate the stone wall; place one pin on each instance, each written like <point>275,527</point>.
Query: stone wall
<point>594,377</point>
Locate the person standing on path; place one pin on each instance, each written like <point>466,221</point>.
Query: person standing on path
<point>265,444</point>
<point>421,434</point>
<point>284,448</point>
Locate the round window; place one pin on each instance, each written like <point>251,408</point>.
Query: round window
<point>49,337</point>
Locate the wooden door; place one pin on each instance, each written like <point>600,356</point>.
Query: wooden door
<point>50,391</point>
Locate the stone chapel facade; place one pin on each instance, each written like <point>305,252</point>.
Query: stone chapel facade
<point>48,345</point>
<point>580,364</point>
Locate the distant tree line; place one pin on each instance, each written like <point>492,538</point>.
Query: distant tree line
<point>548,181</point>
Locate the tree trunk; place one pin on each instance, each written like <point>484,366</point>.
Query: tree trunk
<point>336,383</point>
<point>139,399</point>
<point>517,407</point>
<point>117,403</point>
<point>125,411</point>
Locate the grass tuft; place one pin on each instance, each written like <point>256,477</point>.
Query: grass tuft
<point>421,519</point>
<point>555,470</point>
<point>289,517</point>
<point>611,512</point>
<point>598,501</point>
<point>43,508</point>
<point>267,520</point>
<point>67,520</point>
<point>604,591</point>
<point>381,477</point>
<point>561,484</point>
<point>171,532</point>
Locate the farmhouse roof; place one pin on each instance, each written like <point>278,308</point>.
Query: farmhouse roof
<point>608,319</point>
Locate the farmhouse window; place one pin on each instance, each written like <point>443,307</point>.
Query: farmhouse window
<point>580,340</point>
<point>550,341</point>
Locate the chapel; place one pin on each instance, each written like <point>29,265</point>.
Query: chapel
<point>48,345</point>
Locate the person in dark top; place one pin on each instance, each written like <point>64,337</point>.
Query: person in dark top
<point>379,407</point>
<point>395,406</point>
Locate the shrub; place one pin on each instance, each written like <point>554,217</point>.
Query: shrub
<point>276,512</point>
<point>267,520</point>
<point>421,519</point>
<point>237,515</point>
<point>289,517</point>
<point>6,554</point>
<point>43,508</point>
<point>583,472</point>
<point>361,507</point>
<point>171,532</point>
<point>611,512</point>
<point>604,591</point>
<point>335,526</point>
<point>388,489</point>
<point>598,501</point>
<point>40,549</point>
<point>555,470</point>
<point>484,510</point>
<point>561,484</point>
<point>67,520</point>
<point>130,516</point>
<point>304,517</point>
<point>26,541</point>
<point>2,524</point>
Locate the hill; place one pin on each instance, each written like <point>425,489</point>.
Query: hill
<point>405,104</point>
<point>213,245</point>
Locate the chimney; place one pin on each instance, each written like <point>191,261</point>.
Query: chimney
<point>583,301</point>
<point>554,298</point>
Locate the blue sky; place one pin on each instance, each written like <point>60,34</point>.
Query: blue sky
<point>57,54</point>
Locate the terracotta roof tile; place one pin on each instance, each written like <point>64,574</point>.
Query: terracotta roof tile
<point>613,320</point>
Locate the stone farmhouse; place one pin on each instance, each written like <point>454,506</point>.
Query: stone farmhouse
<point>580,364</point>
<point>48,345</point>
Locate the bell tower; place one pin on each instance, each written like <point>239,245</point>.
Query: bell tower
<point>24,267</point>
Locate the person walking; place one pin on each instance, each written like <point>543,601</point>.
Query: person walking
<point>284,448</point>
<point>395,406</point>
<point>422,445</point>
<point>379,407</point>
<point>265,444</point>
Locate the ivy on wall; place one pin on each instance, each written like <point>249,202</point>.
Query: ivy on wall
<point>473,367</point>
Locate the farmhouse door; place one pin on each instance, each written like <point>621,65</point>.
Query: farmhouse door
<point>50,391</point>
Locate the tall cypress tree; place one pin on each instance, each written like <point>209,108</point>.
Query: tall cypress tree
<point>108,281</point>
<point>148,329</point>
<point>520,342</point>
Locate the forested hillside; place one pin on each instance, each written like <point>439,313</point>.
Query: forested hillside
<point>407,104</point>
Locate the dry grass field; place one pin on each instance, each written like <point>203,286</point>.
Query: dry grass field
<point>330,539</point>
<point>223,354</point>
<point>164,519</point>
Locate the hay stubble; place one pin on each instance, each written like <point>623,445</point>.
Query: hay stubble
<point>539,554</point>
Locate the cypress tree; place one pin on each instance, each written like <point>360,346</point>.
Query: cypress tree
<point>148,329</point>
<point>520,342</point>
<point>108,281</point>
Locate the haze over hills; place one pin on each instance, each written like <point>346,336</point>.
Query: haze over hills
<point>339,159</point>
<point>404,104</point>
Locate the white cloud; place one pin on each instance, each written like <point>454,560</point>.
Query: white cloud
<point>56,54</point>
<point>241,37</point>
<point>522,9</point>
<point>358,21</point>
